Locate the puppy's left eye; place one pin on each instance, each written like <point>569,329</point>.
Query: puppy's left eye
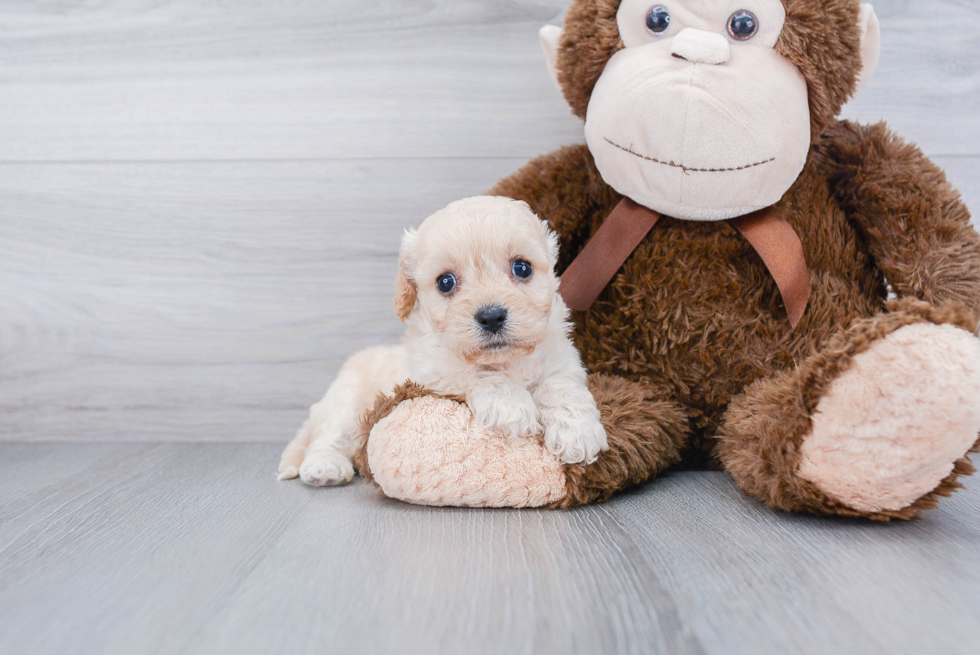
<point>522,269</point>
<point>446,283</point>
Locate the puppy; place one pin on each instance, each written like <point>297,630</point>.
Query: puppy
<point>477,291</point>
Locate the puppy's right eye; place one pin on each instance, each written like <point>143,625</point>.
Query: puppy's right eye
<point>446,283</point>
<point>522,268</point>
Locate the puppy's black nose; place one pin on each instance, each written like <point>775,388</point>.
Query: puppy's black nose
<point>491,319</point>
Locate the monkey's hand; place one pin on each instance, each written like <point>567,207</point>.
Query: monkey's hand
<point>915,224</point>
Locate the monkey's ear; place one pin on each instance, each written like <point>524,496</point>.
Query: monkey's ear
<point>406,291</point>
<point>550,36</point>
<point>870,45</point>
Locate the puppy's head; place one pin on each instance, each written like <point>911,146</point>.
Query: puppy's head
<point>480,276</point>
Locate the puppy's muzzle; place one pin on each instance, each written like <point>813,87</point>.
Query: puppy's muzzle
<point>491,319</point>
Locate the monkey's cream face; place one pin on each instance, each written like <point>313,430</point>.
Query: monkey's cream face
<point>484,273</point>
<point>698,117</point>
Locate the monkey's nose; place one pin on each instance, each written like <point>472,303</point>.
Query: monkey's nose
<point>700,47</point>
<point>491,319</point>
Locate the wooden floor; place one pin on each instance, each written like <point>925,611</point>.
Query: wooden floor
<point>195,548</point>
<point>200,207</point>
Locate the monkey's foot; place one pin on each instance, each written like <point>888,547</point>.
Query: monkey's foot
<point>449,459</point>
<point>892,427</point>
<point>429,450</point>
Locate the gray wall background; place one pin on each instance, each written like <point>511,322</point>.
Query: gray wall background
<point>200,208</point>
<point>201,201</point>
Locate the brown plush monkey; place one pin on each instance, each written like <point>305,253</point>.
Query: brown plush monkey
<point>711,126</point>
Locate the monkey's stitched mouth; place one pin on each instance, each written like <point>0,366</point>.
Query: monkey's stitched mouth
<point>688,169</point>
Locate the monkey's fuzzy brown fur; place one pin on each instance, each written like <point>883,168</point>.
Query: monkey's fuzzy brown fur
<point>695,357</point>
<point>695,317</point>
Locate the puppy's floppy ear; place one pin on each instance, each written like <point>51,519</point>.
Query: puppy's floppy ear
<point>406,291</point>
<point>552,238</point>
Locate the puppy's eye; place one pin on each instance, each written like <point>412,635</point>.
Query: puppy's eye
<point>522,269</point>
<point>446,282</point>
<point>743,25</point>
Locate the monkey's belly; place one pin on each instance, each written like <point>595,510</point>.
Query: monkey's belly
<point>695,313</point>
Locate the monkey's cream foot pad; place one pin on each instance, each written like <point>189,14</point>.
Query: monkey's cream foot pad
<point>430,451</point>
<point>892,427</point>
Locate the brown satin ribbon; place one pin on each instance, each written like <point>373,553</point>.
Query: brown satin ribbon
<point>605,253</point>
<point>780,249</point>
<point>766,231</point>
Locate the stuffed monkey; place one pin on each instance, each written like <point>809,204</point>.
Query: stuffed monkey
<point>760,287</point>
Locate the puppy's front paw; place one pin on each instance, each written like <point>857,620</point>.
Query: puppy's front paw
<point>508,410</point>
<point>575,434</point>
<point>326,469</point>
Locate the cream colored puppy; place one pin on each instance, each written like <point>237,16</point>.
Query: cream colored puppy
<point>479,296</point>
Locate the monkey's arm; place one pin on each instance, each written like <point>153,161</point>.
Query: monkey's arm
<point>565,189</point>
<point>915,223</point>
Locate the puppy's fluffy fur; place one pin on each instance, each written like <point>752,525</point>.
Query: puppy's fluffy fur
<point>521,376</point>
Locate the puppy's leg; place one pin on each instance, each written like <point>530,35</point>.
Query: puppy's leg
<point>327,463</point>
<point>293,455</point>
<point>502,405</point>
<point>572,429</point>
<point>330,436</point>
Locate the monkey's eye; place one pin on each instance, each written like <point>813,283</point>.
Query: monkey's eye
<point>658,20</point>
<point>446,283</point>
<point>522,269</point>
<point>743,25</point>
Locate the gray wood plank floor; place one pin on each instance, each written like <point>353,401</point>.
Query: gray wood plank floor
<point>200,206</point>
<point>195,548</point>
